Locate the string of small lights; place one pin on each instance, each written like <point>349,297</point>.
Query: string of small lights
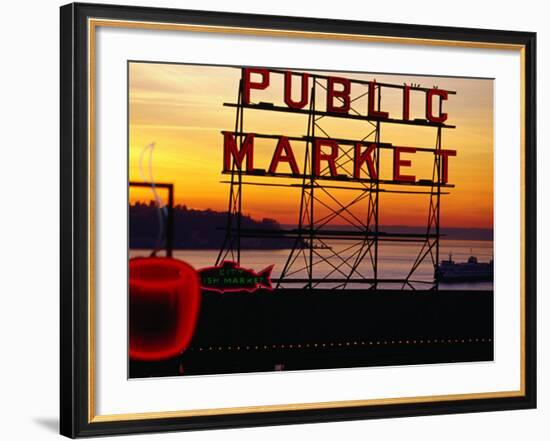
<point>354,343</point>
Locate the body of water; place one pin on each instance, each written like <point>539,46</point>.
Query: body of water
<point>394,261</point>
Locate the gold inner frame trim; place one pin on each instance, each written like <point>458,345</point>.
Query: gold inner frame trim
<point>302,406</point>
<point>92,25</point>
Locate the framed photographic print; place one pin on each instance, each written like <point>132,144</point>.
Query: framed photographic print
<point>273,220</point>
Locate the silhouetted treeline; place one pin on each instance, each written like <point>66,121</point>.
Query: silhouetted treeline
<point>197,229</point>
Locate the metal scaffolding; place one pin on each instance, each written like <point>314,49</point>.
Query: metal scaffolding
<point>355,262</point>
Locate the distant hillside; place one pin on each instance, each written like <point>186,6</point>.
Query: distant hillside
<point>205,229</point>
<point>197,229</point>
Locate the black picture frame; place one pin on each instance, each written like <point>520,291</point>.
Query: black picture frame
<point>77,418</point>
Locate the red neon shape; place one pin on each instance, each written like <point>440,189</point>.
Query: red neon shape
<point>398,163</point>
<point>283,146</point>
<point>445,163</point>
<point>164,302</point>
<point>288,91</point>
<point>249,84</point>
<point>371,102</point>
<point>230,149</point>
<point>329,157</point>
<point>342,94</point>
<point>406,102</point>
<point>443,95</point>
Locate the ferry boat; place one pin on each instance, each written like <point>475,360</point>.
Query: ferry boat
<point>450,271</point>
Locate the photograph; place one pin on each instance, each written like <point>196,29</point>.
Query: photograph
<point>287,219</point>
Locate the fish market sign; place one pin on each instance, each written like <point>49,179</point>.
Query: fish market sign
<point>230,277</point>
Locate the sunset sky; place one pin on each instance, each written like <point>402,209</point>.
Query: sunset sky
<point>180,109</point>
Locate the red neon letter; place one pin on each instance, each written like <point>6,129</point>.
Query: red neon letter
<point>372,95</point>
<point>253,85</point>
<point>361,158</point>
<point>343,95</point>
<point>429,105</point>
<point>288,91</point>
<point>320,156</point>
<point>406,102</point>
<point>398,163</point>
<point>230,149</point>
<point>283,146</point>
<point>445,163</point>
